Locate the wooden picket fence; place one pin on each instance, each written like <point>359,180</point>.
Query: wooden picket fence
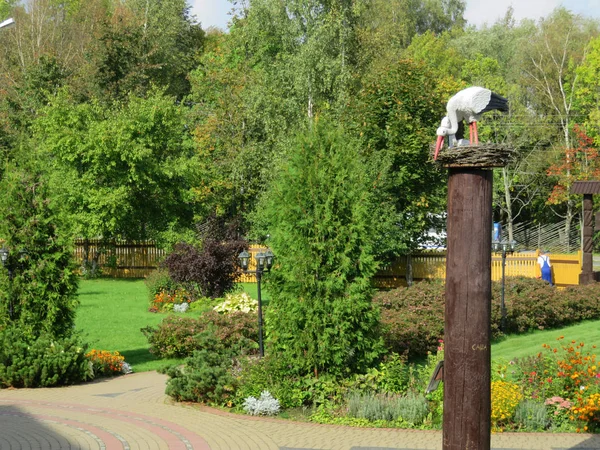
<point>137,259</point>
<point>431,265</point>
<point>122,259</point>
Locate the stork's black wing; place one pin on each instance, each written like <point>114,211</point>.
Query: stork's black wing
<point>497,102</point>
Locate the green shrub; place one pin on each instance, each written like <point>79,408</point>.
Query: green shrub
<point>260,374</point>
<point>205,377</point>
<point>159,281</point>
<point>271,373</point>
<point>533,304</point>
<point>395,374</point>
<point>413,318</point>
<point>173,337</point>
<point>41,362</point>
<point>202,304</point>
<point>177,336</point>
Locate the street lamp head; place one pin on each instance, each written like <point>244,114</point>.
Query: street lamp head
<point>8,23</point>
<point>496,246</point>
<point>244,257</point>
<point>269,259</point>
<point>260,261</point>
<point>3,255</point>
<point>513,245</point>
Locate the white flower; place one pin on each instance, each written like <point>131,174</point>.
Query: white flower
<point>126,368</point>
<point>183,307</point>
<point>266,405</point>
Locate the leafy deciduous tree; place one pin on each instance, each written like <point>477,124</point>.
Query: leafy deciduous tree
<point>122,172</point>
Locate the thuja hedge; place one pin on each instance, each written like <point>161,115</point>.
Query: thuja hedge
<point>413,318</point>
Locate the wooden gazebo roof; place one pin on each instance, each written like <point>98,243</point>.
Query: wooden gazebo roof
<point>585,187</point>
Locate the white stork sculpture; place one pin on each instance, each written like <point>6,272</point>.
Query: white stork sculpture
<point>468,104</point>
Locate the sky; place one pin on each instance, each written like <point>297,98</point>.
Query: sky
<point>214,12</point>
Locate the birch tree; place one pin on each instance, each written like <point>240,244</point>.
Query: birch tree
<point>549,67</point>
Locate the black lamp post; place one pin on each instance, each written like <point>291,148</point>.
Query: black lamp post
<point>4,254</point>
<point>264,262</point>
<point>506,247</point>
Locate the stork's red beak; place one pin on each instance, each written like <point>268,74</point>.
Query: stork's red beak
<point>438,146</point>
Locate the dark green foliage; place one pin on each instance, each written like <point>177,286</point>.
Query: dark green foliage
<point>272,373</point>
<point>41,362</point>
<point>159,281</point>
<point>43,288</point>
<point>122,171</point>
<point>318,212</point>
<point>146,44</point>
<point>212,343</point>
<point>396,114</point>
<point>206,377</point>
<point>178,336</point>
<point>212,269</point>
<point>413,318</point>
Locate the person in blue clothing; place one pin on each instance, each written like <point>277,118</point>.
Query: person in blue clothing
<point>545,266</point>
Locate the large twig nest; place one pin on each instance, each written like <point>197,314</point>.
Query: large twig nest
<point>482,155</point>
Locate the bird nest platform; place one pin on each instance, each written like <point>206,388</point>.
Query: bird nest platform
<point>483,155</point>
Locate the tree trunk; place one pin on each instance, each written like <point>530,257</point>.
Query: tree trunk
<point>508,199</point>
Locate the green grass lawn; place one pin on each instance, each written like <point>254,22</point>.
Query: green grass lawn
<point>110,316</point>
<point>518,346</point>
<point>113,311</point>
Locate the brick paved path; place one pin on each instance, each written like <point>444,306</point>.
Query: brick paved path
<point>132,412</point>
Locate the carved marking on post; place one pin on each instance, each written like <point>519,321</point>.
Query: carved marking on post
<point>479,347</point>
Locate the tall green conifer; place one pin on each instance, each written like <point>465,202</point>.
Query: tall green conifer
<point>319,213</point>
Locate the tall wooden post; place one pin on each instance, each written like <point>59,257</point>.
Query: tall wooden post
<point>467,361</point>
<point>587,188</point>
<point>587,268</point>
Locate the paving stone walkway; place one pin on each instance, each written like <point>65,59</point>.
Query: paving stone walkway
<point>132,412</point>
